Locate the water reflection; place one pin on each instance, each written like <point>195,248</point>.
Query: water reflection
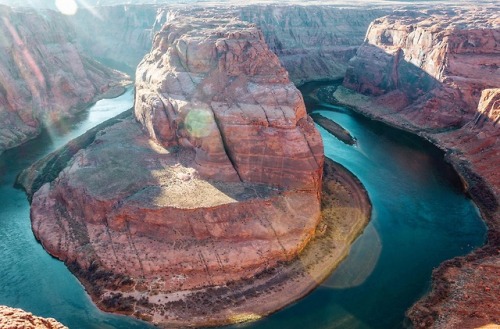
<point>360,264</point>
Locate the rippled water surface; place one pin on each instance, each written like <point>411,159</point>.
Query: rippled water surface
<point>420,218</point>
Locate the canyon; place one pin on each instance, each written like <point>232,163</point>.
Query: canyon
<point>43,75</point>
<point>432,72</point>
<point>318,51</point>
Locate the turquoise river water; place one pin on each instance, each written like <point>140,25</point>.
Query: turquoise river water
<point>420,218</point>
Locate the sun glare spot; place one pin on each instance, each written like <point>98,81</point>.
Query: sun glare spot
<point>199,123</point>
<point>67,7</point>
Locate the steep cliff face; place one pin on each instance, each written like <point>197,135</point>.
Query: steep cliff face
<point>436,64</point>
<point>215,180</point>
<point>15,318</point>
<point>118,36</point>
<point>43,76</point>
<point>312,42</point>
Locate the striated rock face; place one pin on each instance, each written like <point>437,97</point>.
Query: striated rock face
<point>216,180</point>
<point>43,76</point>
<point>15,318</point>
<point>432,67</point>
<point>217,89</point>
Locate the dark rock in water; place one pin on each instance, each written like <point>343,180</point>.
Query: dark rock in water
<point>334,128</point>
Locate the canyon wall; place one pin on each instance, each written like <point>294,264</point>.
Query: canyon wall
<point>436,73</point>
<point>118,36</point>
<point>215,181</point>
<point>312,42</point>
<point>43,76</point>
<point>435,64</point>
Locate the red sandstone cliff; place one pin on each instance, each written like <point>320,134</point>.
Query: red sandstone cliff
<point>225,95</point>
<point>429,67</point>
<point>436,73</point>
<point>43,76</point>
<point>216,181</point>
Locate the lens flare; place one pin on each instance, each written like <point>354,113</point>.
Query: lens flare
<point>67,7</point>
<point>199,122</point>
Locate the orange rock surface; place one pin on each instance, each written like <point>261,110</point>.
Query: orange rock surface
<point>15,318</point>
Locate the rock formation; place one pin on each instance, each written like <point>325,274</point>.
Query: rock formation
<point>43,76</point>
<point>217,180</point>
<point>436,73</point>
<point>226,96</point>
<point>15,318</point>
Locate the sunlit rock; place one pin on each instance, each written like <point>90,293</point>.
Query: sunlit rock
<point>15,318</point>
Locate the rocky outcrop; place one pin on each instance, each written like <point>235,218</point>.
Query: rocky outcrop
<point>436,74</point>
<point>226,96</point>
<point>216,180</point>
<point>15,318</point>
<point>43,76</point>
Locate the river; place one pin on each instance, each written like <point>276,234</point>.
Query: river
<point>420,218</point>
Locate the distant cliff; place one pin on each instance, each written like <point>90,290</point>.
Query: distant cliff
<point>43,76</point>
<point>435,64</point>
<point>312,42</point>
<point>118,36</point>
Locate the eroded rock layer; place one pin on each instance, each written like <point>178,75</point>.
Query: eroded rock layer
<point>217,89</point>
<point>312,42</point>
<point>216,179</point>
<point>43,76</point>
